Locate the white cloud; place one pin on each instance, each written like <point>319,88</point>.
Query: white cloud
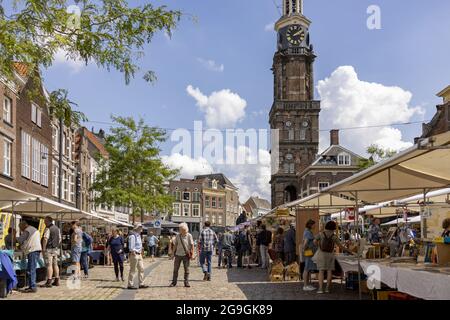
<point>211,65</point>
<point>188,166</point>
<point>223,109</point>
<point>350,102</point>
<point>61,58</point>
<point>269,27</point>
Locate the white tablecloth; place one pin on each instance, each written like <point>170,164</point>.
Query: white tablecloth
<point>418,283</point>
<point>348,263</point>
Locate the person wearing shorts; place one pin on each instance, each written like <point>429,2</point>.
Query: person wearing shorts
<point>76,241</point>
<point>51,243</point>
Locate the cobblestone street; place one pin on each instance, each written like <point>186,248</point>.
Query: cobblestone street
<point>233,284</point>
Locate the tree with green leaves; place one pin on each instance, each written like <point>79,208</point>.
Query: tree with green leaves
<point>133,175</point>
<point>109,33</point>
<point>377,154</point>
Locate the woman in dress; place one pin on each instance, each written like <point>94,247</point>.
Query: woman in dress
<point>308,251</point>
<point>324,257</point>
<point>116,247</point>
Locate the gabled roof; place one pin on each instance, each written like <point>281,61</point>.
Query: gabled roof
<point>261,203</point>
<point>96,142</point>
<point>22,69</point>
<point>220,177</point>
<point>334,151</point>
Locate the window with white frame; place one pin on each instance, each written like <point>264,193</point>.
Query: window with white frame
<point>323,185</point>
<point>44,165</point>
<point>26,151</point>
<point>55,138</point>
<point>35,160</point>
<point>219,219</point>
<point>177,195</point>
<point>206,216</point>
<point>213,219</point>
<point>213,202</point>
<point>72,188</point>
<point>220,203</point>
<point>176,209</point>
<point>214,184</point>
<point>7,109</point>
<point>344,159</point>
<point>207,202</point>
<point>7,152</point>
<point>292,168</point>
<point>196,210</point>
<point>186,196</point>
<point>65,185</point>
<point>55,181</point>
<point>186,209</point>
<point>196,196</point>
<point>36,114</point>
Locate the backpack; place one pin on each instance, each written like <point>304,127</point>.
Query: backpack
<point>327,243</point>
<point>87,239</point>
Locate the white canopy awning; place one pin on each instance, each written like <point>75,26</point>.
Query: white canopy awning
<point>415,219</point>
<point>426,166</point>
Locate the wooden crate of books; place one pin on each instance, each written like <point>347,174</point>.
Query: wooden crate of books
<point>276,271</point>
<point>292,272</point>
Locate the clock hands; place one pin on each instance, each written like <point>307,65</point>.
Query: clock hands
<point>297,33</point>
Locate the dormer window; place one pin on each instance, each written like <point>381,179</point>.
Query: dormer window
<point>344,159</point>
<point>214,184</point>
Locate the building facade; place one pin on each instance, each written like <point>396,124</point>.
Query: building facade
<point>256,207</point>
<point>441,120</point>
<point>294,113</point>
<point>331,166</point>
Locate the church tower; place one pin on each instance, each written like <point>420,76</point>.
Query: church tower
<point>294,112</point>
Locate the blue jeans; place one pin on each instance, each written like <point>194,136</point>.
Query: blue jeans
<point>208,256</point>
<point>84,262</point>
<point>31,267</point>
<point>220,257</point>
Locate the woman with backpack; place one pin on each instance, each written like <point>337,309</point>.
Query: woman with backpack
<point>324,257</point>
<point>86,247</point>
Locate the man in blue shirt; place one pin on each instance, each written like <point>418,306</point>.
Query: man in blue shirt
<point>152,243</point>
<point>136,260</point>
<point>208,240</point>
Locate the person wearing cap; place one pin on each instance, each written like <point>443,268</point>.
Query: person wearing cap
<point>136,259</point>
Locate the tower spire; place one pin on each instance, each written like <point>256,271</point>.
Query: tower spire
<point>292,7</point>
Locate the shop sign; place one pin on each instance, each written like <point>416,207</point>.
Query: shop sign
<point>157,224</point>
<point>282,212</point>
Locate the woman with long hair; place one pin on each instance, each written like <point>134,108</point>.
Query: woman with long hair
<point>116,247</point>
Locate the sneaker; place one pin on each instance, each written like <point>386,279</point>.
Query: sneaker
<point>123,279</point>
<point>205,277</point>
<point>209,277</point>
<point>173,284</point>
<point>308,288</point>
<point>186,284</point>
<point>320,291</point>
<point>30,290</point>
<point>327,290</point>
<point>131,288</point>
<point>117,279</point>
<point>143,286</point>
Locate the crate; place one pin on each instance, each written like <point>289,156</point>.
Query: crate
<point>381,294</point>
<point>400,296</point>
<point>276,277</point>
<point>292,277</point>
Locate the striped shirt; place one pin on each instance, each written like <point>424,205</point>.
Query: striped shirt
<point>208,240</point>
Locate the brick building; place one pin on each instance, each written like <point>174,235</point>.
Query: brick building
<point>331,166</point>
<point>256,207</point>
<point>441,120</point>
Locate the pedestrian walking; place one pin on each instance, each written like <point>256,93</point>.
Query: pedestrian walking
<point>324,257</point>
<point>258,258</point>
<point>86,248</point>
<point>265,239</point>
<point>219,249</point>
<point>278,243</point>
<point>30,243</point>
<point>227,248</point>
<point>290,245</point>
<point>152,243</point>
<point>135,256</point>
<point>245,242</point>
<point>183,249</point>
<point>51,242</point>
<point>208,241</point>
<point>76,247</point>
<point>116,246</point>
<point>308,250</point>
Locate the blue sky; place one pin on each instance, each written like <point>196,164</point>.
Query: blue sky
<point>409,52</point>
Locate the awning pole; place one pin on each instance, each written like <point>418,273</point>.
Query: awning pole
<point>423,233</point>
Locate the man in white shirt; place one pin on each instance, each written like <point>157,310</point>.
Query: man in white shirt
<point>30,243</point>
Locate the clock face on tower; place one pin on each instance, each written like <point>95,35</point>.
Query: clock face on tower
<point>295,35</point>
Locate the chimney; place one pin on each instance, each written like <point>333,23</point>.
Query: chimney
<point>334,137</point>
